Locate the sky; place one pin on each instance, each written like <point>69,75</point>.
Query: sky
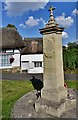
<point>29,17</point>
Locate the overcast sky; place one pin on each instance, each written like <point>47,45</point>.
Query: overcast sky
<point>29,17</point>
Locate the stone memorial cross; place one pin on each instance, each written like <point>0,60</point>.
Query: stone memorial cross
<point>54,93</point>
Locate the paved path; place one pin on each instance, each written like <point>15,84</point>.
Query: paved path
<point>71,76</point>
<point>24,108</point>
<point>26,76</point>
<point>19,76</point>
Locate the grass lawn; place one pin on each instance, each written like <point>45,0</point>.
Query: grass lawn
<point>72,84</point>
<point>11,91</point>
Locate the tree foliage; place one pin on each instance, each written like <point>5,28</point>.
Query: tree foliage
<point>70,56</point>
<point>11,26</point>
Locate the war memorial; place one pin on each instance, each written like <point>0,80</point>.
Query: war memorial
<point>53,94</point>
<point>53,100</point>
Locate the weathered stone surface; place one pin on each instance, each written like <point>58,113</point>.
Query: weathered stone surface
<point>48,107</point>
<point>7,70</point>
<point>54,95</point>
<point>15,69</point>
<point>53,108</point>
<point>24,108</point>
<point>53,64</point>
<point>69,104</point>
<point>53,91</point>
<point>10,70</point>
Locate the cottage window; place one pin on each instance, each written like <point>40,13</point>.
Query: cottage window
<point>5,60</point>
<point>37,64</point>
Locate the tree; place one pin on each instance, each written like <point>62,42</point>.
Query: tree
<point>70,56</point>
<point>72,45</point>
<point>11,26</point>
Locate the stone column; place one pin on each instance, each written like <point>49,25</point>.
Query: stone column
<point>53,68</point>
<point>53,94</point>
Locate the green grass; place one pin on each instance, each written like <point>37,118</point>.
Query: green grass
<point>0,99</point>
<point>72,84</point>
<point>11,91</point>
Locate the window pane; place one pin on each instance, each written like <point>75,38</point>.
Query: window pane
<point>5,60</point>
<point>37,64</point>
<point>34,64</point>
<point>40,64</point>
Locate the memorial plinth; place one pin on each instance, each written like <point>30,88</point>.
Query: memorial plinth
<point>54,93</point>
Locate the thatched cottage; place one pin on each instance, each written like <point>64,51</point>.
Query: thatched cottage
<point>11,44</point>
<point>32,55</point>
<point>18,54</point>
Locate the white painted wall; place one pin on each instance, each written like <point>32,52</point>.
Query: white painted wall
<point>16,62</point>
<point>32,57</point>
<point>36,70</point>
<point>9,51</point>
<point>24,66</point>
<point>5,67</point>
<point>27,63</point>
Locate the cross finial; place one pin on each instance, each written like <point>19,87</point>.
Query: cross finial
<point>51,10</point>
<point>51,21</point>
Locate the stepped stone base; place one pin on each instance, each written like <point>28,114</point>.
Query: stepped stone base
<point>54,109</point>
<point>70,104</point>
<point>24,108</point>
<point>54,95</point>
<point>54,102</point>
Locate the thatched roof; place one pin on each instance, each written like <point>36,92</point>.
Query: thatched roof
<point>10,39</point>
<point>33,46</point>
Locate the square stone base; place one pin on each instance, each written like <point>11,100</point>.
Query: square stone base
<point>54,109</point>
